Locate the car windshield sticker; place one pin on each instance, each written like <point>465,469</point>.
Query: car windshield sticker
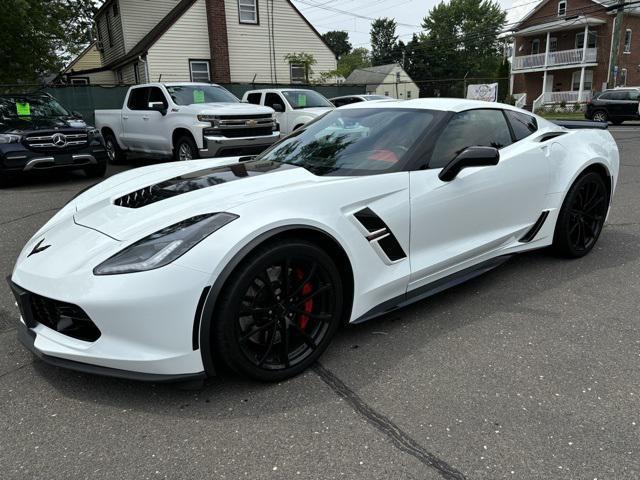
<point>302,100</point>
<point>23,109</point>
<point>198,96</point>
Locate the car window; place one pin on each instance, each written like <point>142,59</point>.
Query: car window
<point>620,95</point>
<point>195,94</point>
<point>138,99</point>
<point>605,96</point>
<point>633,95</point>
<point>156,95</point>
<point>522,124</point>
<point>254,98</point>
<point>482,127</point>
<point>272,99</point>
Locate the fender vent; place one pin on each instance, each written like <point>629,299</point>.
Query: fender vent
<point>381,234</point>
<point>533,231</point>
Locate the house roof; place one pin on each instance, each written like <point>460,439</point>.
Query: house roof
<point>78,57</point>
<point>538,6</point>
<point>371,75</point>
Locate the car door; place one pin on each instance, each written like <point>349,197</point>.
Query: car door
<point>278,103</point>
<point>631,99</point>
<point>455,224</point>
<point>133,127</point>
<point>155,126</point>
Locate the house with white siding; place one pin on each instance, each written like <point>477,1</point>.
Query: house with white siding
<point>389,80</point>
<point>222,41</point>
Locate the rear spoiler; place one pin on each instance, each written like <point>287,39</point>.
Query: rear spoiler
<point>578,124</point>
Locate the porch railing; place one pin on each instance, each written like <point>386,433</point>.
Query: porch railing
<point>521,100</point>
<point>562,57</point>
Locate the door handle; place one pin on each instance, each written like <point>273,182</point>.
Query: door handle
<point>125,117</point>
<point>145,118</point>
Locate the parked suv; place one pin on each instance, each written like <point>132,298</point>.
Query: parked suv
<point>186,121</point>
<point>39,134</point>
<point>616,106</point>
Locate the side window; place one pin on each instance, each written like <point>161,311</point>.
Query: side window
<point>138,99</point>
<point>340,102</point>
<point>254,98</point>
<point>156,96</point>
<point>482,127</point>
<point>272,99</point>
<point>619,95</point>
<point>522,124</point>
<point>634,95</point>
<point>605,96</point>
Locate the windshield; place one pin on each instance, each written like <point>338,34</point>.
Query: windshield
<point>305,99</point>
<point>191,94</point>
<point>14,106</point>
<point>360,141</point>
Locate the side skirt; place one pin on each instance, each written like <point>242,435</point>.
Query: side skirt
<point>433,288</point>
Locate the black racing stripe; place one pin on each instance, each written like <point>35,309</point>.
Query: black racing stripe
<point>208,177</point>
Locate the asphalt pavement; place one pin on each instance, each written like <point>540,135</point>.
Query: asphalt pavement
<point>528,372</point>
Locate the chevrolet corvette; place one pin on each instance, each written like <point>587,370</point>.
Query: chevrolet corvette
<point>167,272</point>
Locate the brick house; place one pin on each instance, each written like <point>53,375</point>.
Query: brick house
<point>223,41</point>
<point>551,54</point>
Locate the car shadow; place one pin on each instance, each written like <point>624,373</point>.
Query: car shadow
<point>525,276</point>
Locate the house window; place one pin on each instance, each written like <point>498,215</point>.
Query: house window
<point>408,94</point>
<point>136,75</point>
<point>627,41</point>
<point>119,77</point>
<point>199,70</point>
<point>535,46</point>
<point>80,81</point>
<point>562,8</point>
<point>623,78</point>
<point>298,74</point>
<point>588,80</point>
<point>115,10</point>
<point>553,44</point>
<point>591,42</point>
<point>248,11</point>
<point>386,94</point>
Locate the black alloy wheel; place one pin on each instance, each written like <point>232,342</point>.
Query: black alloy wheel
<point>115,154</point>
<point>279,311</point>
<point>582,216</point>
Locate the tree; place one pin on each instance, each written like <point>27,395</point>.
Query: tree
<point>384,41</point>
<point>307,60</point>
<point>358,58</point>
<point>461,38</point>
<point>38,37</point>
<point>502,73</point>
<point>338,42</point>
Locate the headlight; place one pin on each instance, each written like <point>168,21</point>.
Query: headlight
<point>93,132</point>
<point>165,246</point>
<point>9,138</point>
<point>208,118</point>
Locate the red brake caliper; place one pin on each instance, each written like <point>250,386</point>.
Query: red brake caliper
<point>307,288</point>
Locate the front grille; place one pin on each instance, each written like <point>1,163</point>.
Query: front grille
<point>236,126</point>
<point>241,132</point>
<point>245,117</point>
<point>47,141</point>
<point>62,317</point>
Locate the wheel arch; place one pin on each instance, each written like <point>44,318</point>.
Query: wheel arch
<point>310,233</point>
<point>179,132</point>
<point>106,130</point>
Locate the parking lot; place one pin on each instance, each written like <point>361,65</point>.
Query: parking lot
<point>528,372</point>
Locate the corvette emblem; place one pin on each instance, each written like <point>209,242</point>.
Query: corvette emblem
<point>38,248</point>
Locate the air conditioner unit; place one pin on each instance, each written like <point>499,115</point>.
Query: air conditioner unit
<point>99,45</point>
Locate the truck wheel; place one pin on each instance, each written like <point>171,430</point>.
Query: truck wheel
<point>185,149</point>
<point>114,152</point>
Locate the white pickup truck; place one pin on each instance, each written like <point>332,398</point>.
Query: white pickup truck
<point>293,106</point>
<point>186,121</point>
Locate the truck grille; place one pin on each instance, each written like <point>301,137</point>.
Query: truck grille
<point>237,126</point>
<point>57,140</point>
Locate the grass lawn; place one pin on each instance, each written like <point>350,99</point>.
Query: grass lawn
<point>562,115</point>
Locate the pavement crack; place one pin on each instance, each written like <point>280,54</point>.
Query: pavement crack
<point>15,369</point>
<point>401,440</point>
<point>29,215</point>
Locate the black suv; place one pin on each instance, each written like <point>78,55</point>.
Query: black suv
<point>39,134</point>
<point>615,106</point>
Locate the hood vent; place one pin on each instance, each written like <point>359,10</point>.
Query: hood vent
<point>380,234</point>
<point>197,180</point>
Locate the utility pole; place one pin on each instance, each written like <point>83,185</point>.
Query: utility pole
<point>615,44</point>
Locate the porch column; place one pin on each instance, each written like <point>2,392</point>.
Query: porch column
<point>546,63</point>
<point>584,60</point>
<point>513,59</point>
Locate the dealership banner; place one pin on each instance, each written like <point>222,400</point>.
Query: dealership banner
<point>485,91</point>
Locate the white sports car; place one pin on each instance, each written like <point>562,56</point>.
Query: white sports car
<point>167,271</point>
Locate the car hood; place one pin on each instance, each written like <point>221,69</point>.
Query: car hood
<point>230,109</point>
<point>30,124</point>
<point>142,202</point>
<point>315,111</point>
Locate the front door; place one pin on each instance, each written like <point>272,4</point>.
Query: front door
<point>456,223</point>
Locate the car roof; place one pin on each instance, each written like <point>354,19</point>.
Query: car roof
<point>443,104</point>
<point>360,95</point>
<point>176,84</point>
<point>262,90</point>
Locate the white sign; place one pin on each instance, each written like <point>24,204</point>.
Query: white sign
<point>485,91</point>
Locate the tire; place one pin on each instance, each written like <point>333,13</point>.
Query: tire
<point>96,171</point>
<point>185,149</point>
<point>270,326</point>
<point>115,154</point>
<point>600,116</point>
<point>581,217</point>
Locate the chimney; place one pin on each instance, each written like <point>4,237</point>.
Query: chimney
<point>218,41</point>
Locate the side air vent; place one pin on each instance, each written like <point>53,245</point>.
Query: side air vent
<point>533,231</point>
<point>549,136</point>
<point>380,234</point>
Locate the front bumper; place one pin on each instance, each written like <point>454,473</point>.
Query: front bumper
<point>218,146</point>
<point>18,159</point>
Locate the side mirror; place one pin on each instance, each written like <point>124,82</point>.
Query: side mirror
<point>158,107</point>
<point>278,107</point>
<point>469,157</point>
<point>77,115</point>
